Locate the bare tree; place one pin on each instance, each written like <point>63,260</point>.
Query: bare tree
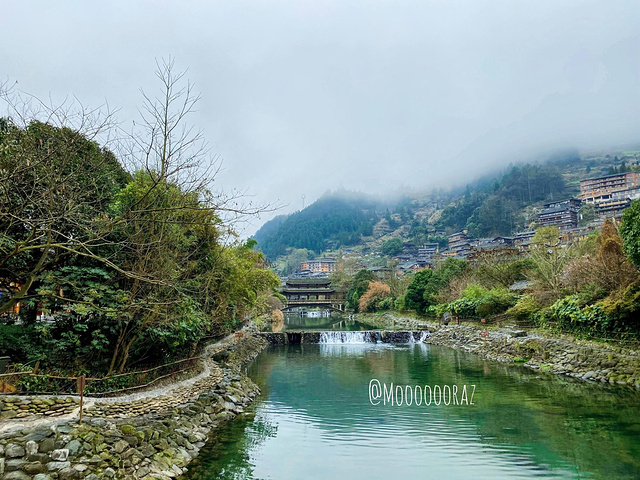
<point>550,257</point>
<point>168,148</point>
<point>170,158</point>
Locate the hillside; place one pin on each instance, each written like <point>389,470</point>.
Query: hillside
<point>335,220</point>
<point>498,204</point>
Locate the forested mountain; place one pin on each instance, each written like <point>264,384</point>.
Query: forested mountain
<point>497,209</point>
<point>338,219</point>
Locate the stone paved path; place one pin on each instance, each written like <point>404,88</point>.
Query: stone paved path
<point>153,400</point>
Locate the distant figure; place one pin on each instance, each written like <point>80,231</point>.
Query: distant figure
<point>446,318</point>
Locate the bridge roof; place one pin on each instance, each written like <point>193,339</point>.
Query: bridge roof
<point>308,281</point>
<point>307,290</point>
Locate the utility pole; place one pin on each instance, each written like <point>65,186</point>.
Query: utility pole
<point>303,197</point>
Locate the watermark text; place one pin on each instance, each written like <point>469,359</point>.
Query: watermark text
<point>399,395</point>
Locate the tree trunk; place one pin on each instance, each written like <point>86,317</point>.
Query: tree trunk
<point>116,351</point>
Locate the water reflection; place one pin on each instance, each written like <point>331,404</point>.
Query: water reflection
<point>319,320</point>
<point>314,420</point>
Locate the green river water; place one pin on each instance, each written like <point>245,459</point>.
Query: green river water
<point>315,420</point>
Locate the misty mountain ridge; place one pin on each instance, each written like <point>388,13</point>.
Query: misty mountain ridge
<point>501,203</point>
<point>338,218</point>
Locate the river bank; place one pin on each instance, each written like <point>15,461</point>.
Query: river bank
<point>327,400</point>
<point>155,437</point>
<point>561,354</point>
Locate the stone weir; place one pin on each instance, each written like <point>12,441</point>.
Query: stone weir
<point>333,337</point>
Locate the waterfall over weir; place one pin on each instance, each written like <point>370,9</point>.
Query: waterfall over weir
<point>422,336</point>
<point>350,337</point>
<point>346,337</point>
<point>374,337</point>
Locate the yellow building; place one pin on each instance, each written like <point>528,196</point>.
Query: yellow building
<point>611,193</point>
<point>326,265</point>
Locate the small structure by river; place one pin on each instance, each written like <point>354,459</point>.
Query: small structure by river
<point>312,292</point>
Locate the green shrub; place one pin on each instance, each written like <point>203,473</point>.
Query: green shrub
<point>525,308</point>
<point>624,305</point>
<point>438,310</point>
<point>385,304</point>
<point>262,322</point>
<point>484,302</point>
<point>475,292</point>
<point>463,307</point>
<point>498,300</point>
<point>477,301</point>
<point>20,342</point>
<point>611,316</point>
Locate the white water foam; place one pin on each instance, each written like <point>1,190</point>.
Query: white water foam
<point>339,337</point>
<point>423,336</point>
<point>345,337</point>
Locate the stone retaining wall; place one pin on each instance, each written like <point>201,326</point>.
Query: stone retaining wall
<point>157,440</point>
<point>155,405</point>
<point>595,363</point>
<point>21,407</point>
<point>31,406</point>
<point>539,350</point>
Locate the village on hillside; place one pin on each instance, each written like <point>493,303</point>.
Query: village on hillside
<point>608,196</point>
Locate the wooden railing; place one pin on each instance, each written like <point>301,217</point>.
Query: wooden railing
<point>96,386</point>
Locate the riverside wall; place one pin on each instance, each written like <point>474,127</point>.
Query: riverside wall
<point>561,354</point>
<point>156,436</point>
<point>152,437</point>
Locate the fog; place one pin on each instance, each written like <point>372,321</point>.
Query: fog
<point>301,96</point>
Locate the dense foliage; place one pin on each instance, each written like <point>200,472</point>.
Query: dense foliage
<point>358,286</point>
<point>392,247</point>
<point>415,298</point>
<point>496,209</point>
<point>423,289</point>
<point>479,301</point>
<point>126,269</point>
<point>630,232</point>
<point>54,186</point>
<point>377,297</point>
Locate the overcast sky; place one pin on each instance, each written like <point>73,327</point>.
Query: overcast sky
<point>303,96</point>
